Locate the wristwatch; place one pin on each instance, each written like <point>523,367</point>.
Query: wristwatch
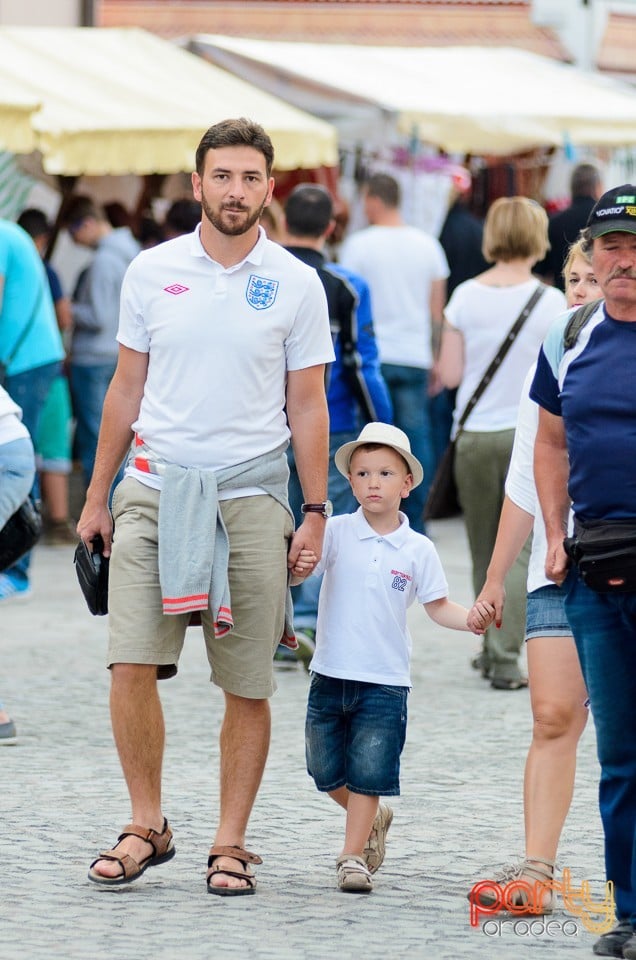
<point>325,508</point>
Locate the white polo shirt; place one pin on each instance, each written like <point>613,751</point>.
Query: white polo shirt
<point>369,583</point>
<point>220,342</point>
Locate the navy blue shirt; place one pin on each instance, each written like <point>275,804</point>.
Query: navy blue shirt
<point>593,387</point>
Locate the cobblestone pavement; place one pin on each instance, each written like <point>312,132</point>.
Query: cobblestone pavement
<point>460,814</point>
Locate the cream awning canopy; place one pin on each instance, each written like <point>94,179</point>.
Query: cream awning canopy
<point>117,101</point>
<point>462,99</point>
<point>17,107</point>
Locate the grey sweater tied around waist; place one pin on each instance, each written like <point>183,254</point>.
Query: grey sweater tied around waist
<point>194,547</point>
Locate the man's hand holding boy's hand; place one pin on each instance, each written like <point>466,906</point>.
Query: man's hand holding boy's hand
<point>303,566</point>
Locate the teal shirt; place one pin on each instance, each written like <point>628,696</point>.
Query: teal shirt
<point>22,281</point>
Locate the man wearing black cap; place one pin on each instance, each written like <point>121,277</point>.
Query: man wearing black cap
<point>586,453</point>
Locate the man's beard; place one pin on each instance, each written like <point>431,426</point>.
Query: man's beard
<point>231,229</point>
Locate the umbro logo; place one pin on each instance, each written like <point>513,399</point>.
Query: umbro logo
<point>176,288</point>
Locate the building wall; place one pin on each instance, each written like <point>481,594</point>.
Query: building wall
<point>399,22</point>
<point>40,13</point>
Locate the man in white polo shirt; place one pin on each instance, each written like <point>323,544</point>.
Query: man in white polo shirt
<point>406,270</point>
<point>223,339</point>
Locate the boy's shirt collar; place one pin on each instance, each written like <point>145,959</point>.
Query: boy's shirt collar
<point>365,531</point>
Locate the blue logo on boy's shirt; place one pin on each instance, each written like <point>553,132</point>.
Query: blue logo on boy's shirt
<point>399,583</point>
<point>261,292</point>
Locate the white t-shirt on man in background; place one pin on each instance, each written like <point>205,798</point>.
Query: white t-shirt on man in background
<point>400,264</point>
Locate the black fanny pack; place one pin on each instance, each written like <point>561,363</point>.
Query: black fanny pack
<point>605,553</point>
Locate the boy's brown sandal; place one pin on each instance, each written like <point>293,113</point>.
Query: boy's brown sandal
<point>353,874</point>
<point>375,849</point>
<point>162,850</point>
<point>236,853</point>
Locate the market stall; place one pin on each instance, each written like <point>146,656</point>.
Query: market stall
<point>120,101</point>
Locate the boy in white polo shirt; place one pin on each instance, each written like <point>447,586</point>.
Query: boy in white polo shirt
<point>374,568</point>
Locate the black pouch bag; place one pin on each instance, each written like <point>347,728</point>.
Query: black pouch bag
<point>20,533</point>
<point>92,572</point>
<point>605,554</point>
<point>442,500</point>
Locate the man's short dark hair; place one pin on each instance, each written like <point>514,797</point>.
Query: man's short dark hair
<point>385,188</point>
<point>34,222</point>
<point>81,207</point>
<point>585,180</point>
<point>183,216</point>
<point>308,210</point>
<point>235,133</point>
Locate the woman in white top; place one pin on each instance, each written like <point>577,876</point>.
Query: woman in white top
<point>557,690</point>
<point>477,318</point>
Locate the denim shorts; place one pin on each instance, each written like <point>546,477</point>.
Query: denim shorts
<point>354,735</point>
<point>545,613</point>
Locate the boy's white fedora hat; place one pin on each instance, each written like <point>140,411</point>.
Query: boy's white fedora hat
<point>388,436</point>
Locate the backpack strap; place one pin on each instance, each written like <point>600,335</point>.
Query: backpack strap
<point>345,326</point>
<point>577,321</point>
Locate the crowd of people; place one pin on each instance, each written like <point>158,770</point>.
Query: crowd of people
<point>292,477</point>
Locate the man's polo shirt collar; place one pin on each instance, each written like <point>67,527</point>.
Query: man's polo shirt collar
<point>255,255</point>
<point>364,531</point>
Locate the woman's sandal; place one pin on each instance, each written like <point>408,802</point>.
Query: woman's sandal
<point>353,874</point>
<point>534,871</point>
<point>236,853</point>
<point>162,850</point>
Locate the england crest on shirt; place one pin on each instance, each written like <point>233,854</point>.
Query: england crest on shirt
<point>261,292</point>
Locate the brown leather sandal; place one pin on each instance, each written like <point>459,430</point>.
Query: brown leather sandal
<point>163,849</point>
<point>373,853</point>
<point>244,857</point>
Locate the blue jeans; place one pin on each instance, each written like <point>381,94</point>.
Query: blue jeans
<point>30,390</point>
<point>408,387</point>
<point>604,627</point>
<point>354,735</point>
<point>305,595</point>
<point>88,390</point>
<point>17,473</point>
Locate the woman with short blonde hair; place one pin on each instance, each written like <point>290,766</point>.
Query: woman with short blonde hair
<point>557,689</point>
<point>515,228</point>
<point>478,317</point>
